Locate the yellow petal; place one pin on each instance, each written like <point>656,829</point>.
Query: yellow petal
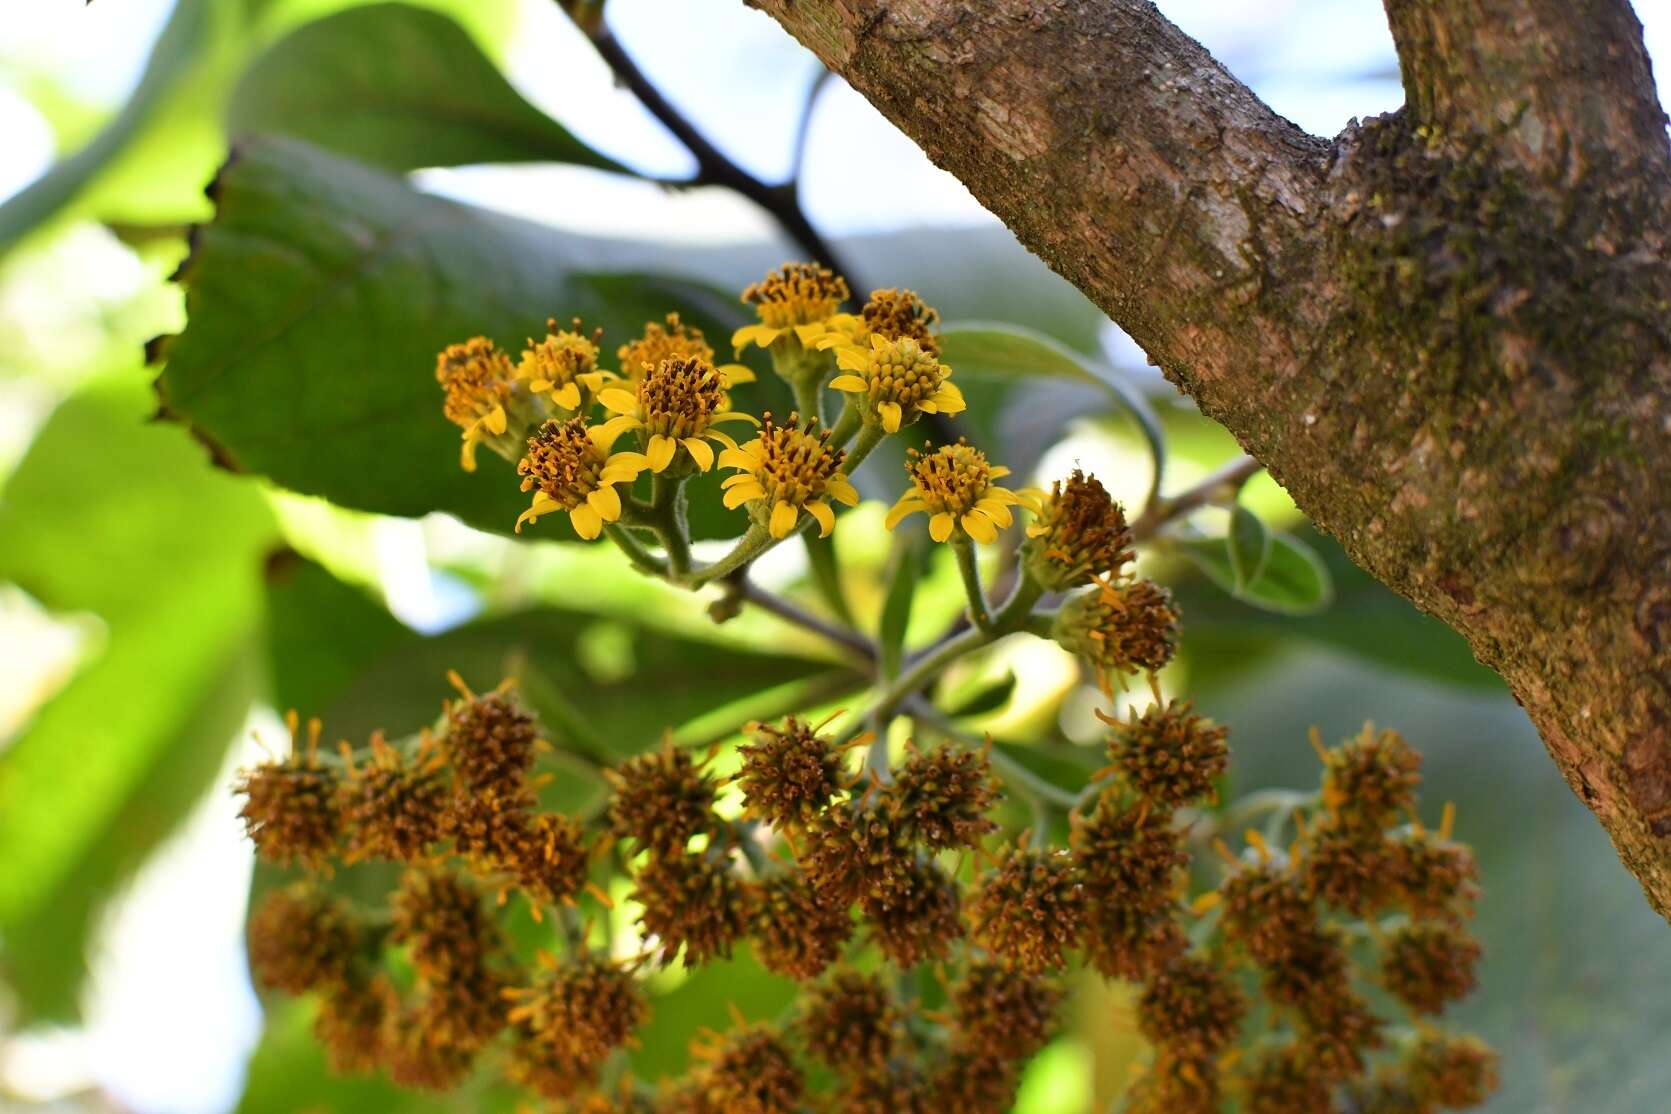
<point>892,415</point>
<point>495,419</point>
<point>949,399</point>
<point>700,451</point>
<point>618,400</point>
<point>1036,530</point>
<point>783,520</point>
<point>998,471</point>
<point>852,359</point>
<point>736,458</point>
<point>842,490</point>
<point>722,438</point>
<point>763,335</point>
<point>732,374</point>
<point>979,527</point>
<point>623,466</point>
<point>567,396</point>
<point>606,502</point>
<point>824,515</point>
<point>467,454</point>
<point>586,522</point>
<point>905,506</point>
<point>997,509</point>
<point>660,451</point>
<point>734,416</point>
<point>940,526</point>
<point>810,332</point>
<point>743,493</point>
<point>849,383</point>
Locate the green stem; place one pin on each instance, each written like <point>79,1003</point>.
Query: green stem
<point>964,549</point>
<point>752,544</point>
<point>1026,781</point>
<point>846,425</point>
<point>869,437</point>
<point>642,559</point>
<point>667,506</point>
<point>809,396</point>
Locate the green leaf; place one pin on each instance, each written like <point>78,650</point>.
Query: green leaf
<point>118,517</point>
<point>321,375</point>
<point>1292,581</point>
<point>1248,546</point>
<point>182,37</point>
<point>896,609</point>
<point>321,633</point>
<point>399,87</point>
<point>1010,352</point>
<point>984,698</point>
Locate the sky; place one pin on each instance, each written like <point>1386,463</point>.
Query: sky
<point>1318,62</point>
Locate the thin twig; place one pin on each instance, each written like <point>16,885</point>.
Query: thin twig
<point>743,588</point>
<point>1226,481</point>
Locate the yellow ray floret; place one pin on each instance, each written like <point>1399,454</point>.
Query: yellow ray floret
<point>798,299</point>
<point>676,404</point>
<point>954,486</point>
<point>569,467</point>
<point>477,377</point>
<point>787,470</point>
<point>563,366</point>
<point>896,380</point>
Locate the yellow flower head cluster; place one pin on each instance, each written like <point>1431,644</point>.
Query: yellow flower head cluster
<point>677,403</point>
<point>563,367</point>
<point>477,378</point>
<point>662,342</point>
<point>896,381</point>
<point>569,468</point>
<point>797,299</point>
<point>787,470</point>
<point>955,486</point>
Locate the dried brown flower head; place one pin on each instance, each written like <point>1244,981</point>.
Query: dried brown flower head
<point>350,1024</point>
<point>1428,964</point>
<point>973,1083</point>
<point>1131,944</point>
<point>1267,912</point>
<point>1370,780</point>
<point>1176,1084</point>
<point>1079,534</point>
<point>852,1023</point>
<point>1453,1072</point>
<point>418,1058</point>
<point>1432,876</point>
<point>796,934</point>
<point>301,939</point>
<point>489,739</point>
<point>1283,1080</point>
<point>1030,908</point>
<point>291,809</point>
<point>917,917</point>
<point>1120,627</point>
<point>395,805</point>
<point>440,918</point>
<point>551,860</point>
<point>942,796</point>
<point>691,901</point>
<point>1169,754</point>
<point>1191,1008</point>
<point>788,774</point>
<point>1130,858</point>
<point>488,827</point>
<point>1003,1013</point>
<point>661,800</point>
<point>855,849</point>
<point>753,1072</point>
<point>1347,871</point>
<point>581,1008</point>
<point>890,1089</point>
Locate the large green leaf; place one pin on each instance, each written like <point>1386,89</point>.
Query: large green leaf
<point>321,374</point>
<point>400,87</point>
<point>111,515</point>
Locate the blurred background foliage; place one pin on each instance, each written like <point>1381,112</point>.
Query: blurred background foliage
<point>155,609</point>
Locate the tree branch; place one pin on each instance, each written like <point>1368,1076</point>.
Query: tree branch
<point>1444,332</point>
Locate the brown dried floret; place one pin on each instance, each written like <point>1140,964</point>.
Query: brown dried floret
<point>1284,1080</point>
<point>661,799</point>
<point>350,1024</point>
<point>852,1023</point>
<point>796,934</point>
<point>1003,1013</point>
<point>917,918</point>
<point>691,901</point>
<point>1347,871</point>
<point>1169,754</point>
<point>1454,1072</point>
<point>1030,907</point>
<point>900,313</point>
<point>1176,1084</point>
<point>535,1066</point>
<point>1267,912</point>
<point>753,1072</point>
<point>856,849</point>
<point>488,827</point>
<point>1370,780</point>
<point>891,1089</point>
<point>465,1010</point>
<point>1129,857</point>
<point>1191,1008</point>
<point>1130,944</point>
<point>1428,964</point>
<point>291,809</point>
<point>1121,627</point>
<point>1079,533</point>
<point>581,1009</point>
<point>943,796</point>
<point>301,939</point>
<point>439,917</point>
<point>420,1059</point>
<point>551,860</point>
<point>1339,1031</point>
<point>1432,876</point>
<point>788,774</point>
<point>973,1083</point>
<point>489,740</point>
<point>395,805</point>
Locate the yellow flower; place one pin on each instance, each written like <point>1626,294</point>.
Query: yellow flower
<point>564,366</point>
<point>676,403</point>
<point>953,486</point>
<point>890,314</point>
<point>798,299</point>
<point>786,470</point>
<point>569,468</point>
<point>896,380</point>
<point>477,378</point>
<point>674,341</point>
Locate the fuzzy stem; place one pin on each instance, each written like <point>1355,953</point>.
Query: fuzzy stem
<point>964,549</point>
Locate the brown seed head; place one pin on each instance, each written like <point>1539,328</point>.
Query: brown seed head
<point>440,918</point>
<point>1120,627</point>
<point>1002,1013</point>
<point>1079,534</point>
<point>1191,1008</point>
<point>973,1083</point>
<point>1130,944</point>
<point>694,902</point>
<point>1453,1072</point>
<point>1283,1080</point>
<point>852,1023</point>
<point>581,1009</point>
<point>1176,1084</point>
<point>1169,754</point>
<point>788,774</point>
<point>1030,908</point>
<point>796,934</point>
<point>1434,878</point>
<point>661,800</point>
<point>857,848</point>
<point>943,795</point>
<point>1428,964</point>
<point>291,808</point>
<point>1267,912</point>
<point>1371,780</point>
<point>395,806</point>
<point>917,918</point>
<point>1130,858</point>
<point>301,939</point>
<point>551,861</point>
<point>1347,871</point>
<point>490,741</point>
<point>754,1073</point>
<point>350,1024</point>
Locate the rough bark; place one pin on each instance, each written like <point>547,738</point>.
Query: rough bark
<point>1445,331</point>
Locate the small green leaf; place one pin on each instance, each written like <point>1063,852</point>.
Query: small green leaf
<point>1248,545</point>
<point>399,87</point>
<point>1293,580</point>
<point>896,609</point>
